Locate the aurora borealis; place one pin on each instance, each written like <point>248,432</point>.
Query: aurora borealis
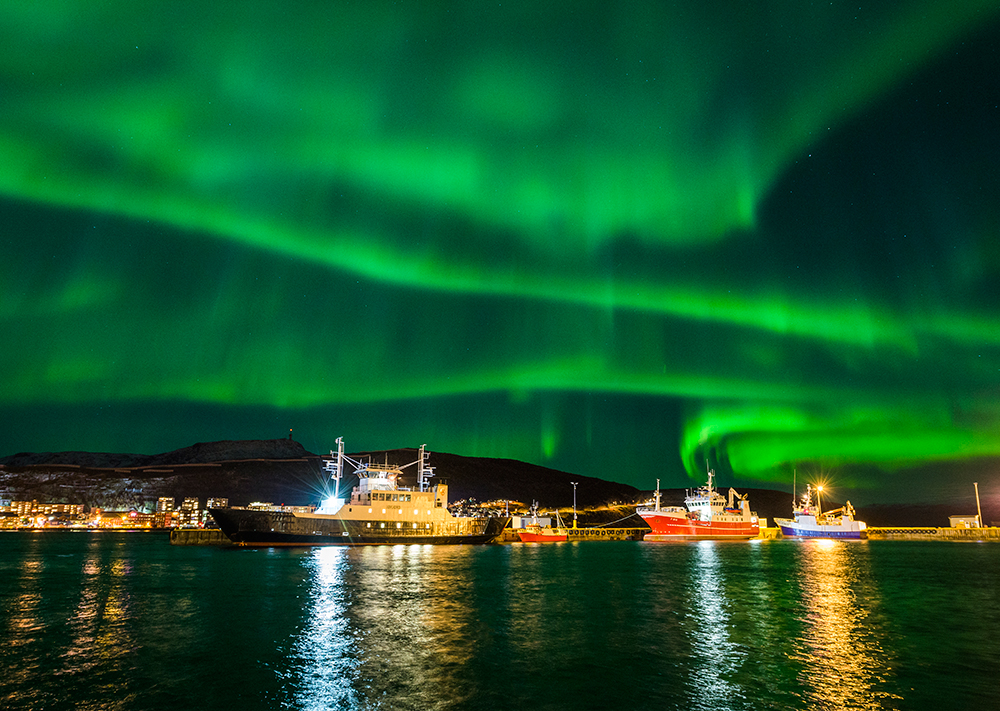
<point>617,241</point>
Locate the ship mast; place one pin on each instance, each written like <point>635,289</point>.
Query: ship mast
<point>336,467</point>
<point>424,472</point>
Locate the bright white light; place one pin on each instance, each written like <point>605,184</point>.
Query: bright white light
<point>331,505</point>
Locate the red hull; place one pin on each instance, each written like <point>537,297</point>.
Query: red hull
<point>669,528</point>
<point>542,537</point>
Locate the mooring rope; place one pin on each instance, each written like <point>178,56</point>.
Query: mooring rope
<point>601,525</point>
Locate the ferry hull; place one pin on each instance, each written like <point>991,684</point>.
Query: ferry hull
<point>669,528</point>
<point>276,528</point>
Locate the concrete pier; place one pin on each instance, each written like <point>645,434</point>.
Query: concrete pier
<point>586,534</point>
<point>198,537</point>
<point>925,533</point>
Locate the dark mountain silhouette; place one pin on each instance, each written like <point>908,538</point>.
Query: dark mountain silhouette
<point>282,471</point>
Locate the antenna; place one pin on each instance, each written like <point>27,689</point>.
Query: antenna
<point>336,466</point>
<point>424,472</point>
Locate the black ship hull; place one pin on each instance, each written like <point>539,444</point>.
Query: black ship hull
<point>277,528</point>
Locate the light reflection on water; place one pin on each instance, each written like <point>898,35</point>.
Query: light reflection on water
<point>101,634</point>
<point>844,658</point>
<point>116,622</point>
<point>385,628</point>
<point>715,656</point>
<point>326,666</point>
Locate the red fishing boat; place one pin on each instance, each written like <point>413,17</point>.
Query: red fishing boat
<point>535,532</point>
<point>705,514</point>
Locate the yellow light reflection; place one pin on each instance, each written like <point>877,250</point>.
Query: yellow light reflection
<point>102,635</point>
<point>844,661</point>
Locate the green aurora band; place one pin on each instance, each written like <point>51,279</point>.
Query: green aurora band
<point>616,241</point>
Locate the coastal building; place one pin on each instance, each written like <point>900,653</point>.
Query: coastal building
<point>963,521</point>
<point>34,513</point>
<point>189,514</point>
<point>163,517</point>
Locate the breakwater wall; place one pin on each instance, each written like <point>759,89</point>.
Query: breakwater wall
<point>198,537</point>
<point>586,534</point>
<point>925,533</point>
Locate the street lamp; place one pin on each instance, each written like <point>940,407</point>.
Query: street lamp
<point>574,502</point>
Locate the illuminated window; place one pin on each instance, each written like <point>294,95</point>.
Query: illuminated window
<point>399,525</point>
<point>381,525</point>
<point>414,525</point>
<point>369,510</point>
<point>416,511</point>
<point>368,525</point>
<point>383,510</point>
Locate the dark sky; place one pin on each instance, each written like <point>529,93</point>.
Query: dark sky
<point>619,241</point>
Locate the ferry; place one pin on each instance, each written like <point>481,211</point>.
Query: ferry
<point>810,521</point>
<point>706,514</point>
<point>380,511</point>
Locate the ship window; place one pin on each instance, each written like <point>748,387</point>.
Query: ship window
<point>399,525</point>
<point>368,525</point>
<point>414,525</point>
<point>345,533</point>
<point>383,510</point>
<point>407,497</point>
<point>416,511</point>
<point>381,525</point>
<point>427,525</point>
<point>369,510</point>
<point>395,497</point>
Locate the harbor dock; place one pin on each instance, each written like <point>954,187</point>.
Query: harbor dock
<point>925,533</point>
<point>198,537</point>
<point>587,534</point>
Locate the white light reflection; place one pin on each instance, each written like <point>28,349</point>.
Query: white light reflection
<point>326,667</point>
<point>715,657</point>
<point>843,658</point>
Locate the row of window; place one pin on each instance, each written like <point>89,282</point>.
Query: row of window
<point>383,496</point>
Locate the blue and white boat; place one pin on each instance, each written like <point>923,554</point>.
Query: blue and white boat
<point>809,521</point>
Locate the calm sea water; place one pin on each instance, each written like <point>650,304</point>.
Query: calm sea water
<point>127,621</point>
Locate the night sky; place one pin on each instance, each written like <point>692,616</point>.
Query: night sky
<point>624,242</point>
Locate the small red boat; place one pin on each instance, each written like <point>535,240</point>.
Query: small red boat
<point>533,533</point>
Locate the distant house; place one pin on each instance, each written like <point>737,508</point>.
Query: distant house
<point>971,521</point>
